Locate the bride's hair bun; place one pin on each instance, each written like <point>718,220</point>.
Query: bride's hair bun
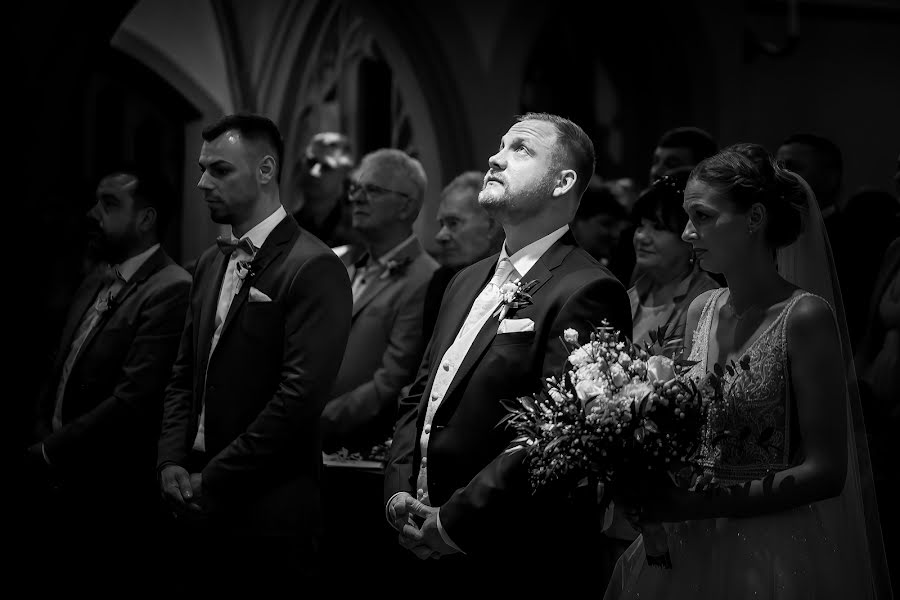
<point>748,174</point>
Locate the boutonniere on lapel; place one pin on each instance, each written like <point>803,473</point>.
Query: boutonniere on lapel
<point>395,267</point>
<point>243,269</point>
<point>513,296</point>
<point>105,304</point>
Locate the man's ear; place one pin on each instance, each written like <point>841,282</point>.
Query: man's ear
<point>267,169</point>
<point>147,219</point>
<point>565,182</point>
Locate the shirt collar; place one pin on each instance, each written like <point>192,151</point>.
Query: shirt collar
<point>260,233</point>
<point>526,258</point>
<point>129,266</point>
<point>384,258</point>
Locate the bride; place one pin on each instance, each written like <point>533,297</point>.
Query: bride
<point>779,511</point>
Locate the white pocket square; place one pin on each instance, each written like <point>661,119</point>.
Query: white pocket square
<point>258,296</point>
<point>515,325</point>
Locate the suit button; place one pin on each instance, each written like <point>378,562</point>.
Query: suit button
<point>446,366</point>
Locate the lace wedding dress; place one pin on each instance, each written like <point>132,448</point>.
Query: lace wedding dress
<point>790,554</point>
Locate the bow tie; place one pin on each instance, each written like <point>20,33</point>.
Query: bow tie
<point>229,245</point>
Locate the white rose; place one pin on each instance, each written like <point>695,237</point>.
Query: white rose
<point>617,373</point>
<point>571,336</point>
<point>580,357</point>
<point>624,359</point>
<point>636,391</point>
<point>587,390</point>
<point>660,368</point>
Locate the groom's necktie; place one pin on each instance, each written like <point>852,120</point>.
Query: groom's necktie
<point>489,296</point>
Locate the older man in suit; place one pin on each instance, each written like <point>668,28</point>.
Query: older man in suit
<point>99,411</point>
<point>240,452</point>
<point>449,464</point>
<point>389,284</point>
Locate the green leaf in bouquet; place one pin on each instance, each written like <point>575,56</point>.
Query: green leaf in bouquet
<point>650,425</point>
<point>528,403</point>
<point>513,406</point>
<point>507,417</point>
<point>553,444</point>
<point>730,370</point>
<point>653,336</point>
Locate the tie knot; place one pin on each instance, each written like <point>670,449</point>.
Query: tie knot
<point>110,275</point>
<point>229,245</point>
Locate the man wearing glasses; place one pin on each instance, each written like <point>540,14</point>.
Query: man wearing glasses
<point>389,283</point>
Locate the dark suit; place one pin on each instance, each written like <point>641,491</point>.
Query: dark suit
<point>383,351</point>
<point>263,388</point>
<point>105,452</point>
<point>486,505</point>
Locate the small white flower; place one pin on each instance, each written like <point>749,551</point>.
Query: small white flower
<point>580,357</point>
<point>624,360</point>
<point>618,375</point>
<point>639,368</point>
<point>571,336</point>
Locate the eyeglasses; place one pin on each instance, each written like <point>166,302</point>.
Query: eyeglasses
<point>370,189</point>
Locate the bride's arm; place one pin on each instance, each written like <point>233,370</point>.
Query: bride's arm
<point>819,391</point>
<point>693,319</point>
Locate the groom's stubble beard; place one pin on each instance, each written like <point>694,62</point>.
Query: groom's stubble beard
<point>512,209</point>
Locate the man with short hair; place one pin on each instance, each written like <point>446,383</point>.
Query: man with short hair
<point>681,147</point>
<point>817,160</point>
<point>451,485</point>
<point>240,455</point>
<point>388,283</point>
<point>466,235</point>
<point>100,409</point>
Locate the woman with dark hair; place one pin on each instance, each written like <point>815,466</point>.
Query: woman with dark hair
<point>667,279</point>
<point>783,507</point>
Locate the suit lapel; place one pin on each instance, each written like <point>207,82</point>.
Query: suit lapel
<point>86,295</point>
<point>274,245</point>
<point>208,308</point>
<point>542,272</point>
<point>154,263</point>
<point>411,252</point>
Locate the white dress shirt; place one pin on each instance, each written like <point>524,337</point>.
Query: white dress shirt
<point>231,285</point>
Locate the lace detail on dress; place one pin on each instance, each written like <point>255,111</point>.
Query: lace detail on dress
<point>756,412</point>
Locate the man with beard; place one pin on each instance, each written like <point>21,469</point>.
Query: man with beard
<point>99,411</point>
<point>452,488</point>
<point>240,453</point>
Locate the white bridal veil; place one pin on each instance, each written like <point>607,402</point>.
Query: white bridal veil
<point>852,518</point>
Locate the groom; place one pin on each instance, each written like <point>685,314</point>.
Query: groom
<point>450,487</point>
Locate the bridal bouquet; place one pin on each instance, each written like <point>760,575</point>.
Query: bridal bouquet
<point>619,414</point>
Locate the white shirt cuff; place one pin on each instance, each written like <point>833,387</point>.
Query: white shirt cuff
<point>387,508</point>
<point>445,535</point>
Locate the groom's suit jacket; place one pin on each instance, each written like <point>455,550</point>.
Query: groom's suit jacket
<point>112,402</point>
<point>264,385</point>
<point>483,492</point>
<point>382,355</point>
